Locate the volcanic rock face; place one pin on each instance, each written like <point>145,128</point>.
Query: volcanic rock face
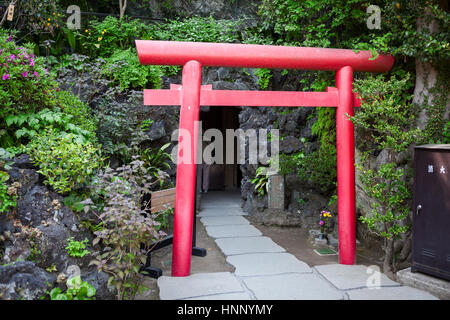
<point>33,239</point>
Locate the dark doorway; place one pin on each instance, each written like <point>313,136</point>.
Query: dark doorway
<point>223,176</point>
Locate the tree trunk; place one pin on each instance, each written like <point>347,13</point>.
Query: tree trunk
<point>388,257</point>
<point>426,75</point>
<point>123,7</point>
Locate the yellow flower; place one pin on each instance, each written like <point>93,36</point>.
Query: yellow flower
<point>86,30</point>
<point>103,32</point>
<point>397,5</point>
<point>54,13</point>
<point>48,24</point>
<point>100,38</point>
<point>49,19</point>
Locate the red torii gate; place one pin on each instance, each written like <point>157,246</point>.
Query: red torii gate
<point>193,55</point>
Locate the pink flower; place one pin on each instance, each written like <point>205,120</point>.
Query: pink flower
<point>9,39</point>
<point>5,77</point>
<point>321,222</point>
<point>32,62</point>
<point>36,74</point>
<point>25,74</point>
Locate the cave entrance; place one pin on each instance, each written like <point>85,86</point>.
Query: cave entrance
<point>222,176</point>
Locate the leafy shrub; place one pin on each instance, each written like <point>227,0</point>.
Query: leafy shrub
<point>386,121</point>
<point>290,162</point>
<point>76,290</point>
<point>30,124</point>
<point>78,112</point>
<point>128,230</point>
<point>64,160</point>
<point>25,85</point>
<point>198,29</point>
<point>261,181</point>
<point>7,196</point>
<point>318,169</point>
<point>264,76</point>
<point>124,68</point>
<point>77,249</point>
<point>102,38</point>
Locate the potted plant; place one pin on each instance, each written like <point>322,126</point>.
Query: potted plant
<point>324,223</point>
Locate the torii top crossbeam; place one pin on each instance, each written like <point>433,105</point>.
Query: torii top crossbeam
<point>258,56</point>
<point>193,55</point>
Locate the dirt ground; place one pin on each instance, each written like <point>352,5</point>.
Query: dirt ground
<point>294,240</point>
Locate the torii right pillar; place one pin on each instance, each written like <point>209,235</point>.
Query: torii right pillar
<point>345,148</point>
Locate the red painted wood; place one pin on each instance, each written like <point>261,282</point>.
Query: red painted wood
<point>185,184</point>
<point>345,147</point>
<point>211,97</point>
<point>258,56</point>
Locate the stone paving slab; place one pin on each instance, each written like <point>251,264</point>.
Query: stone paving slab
<point>345,277</point>
<point>231,246</point>
<point>258,264</point>
<point>220,221</point>
<point>222,205</point>
<point>225,296</point>
<point>292,286</point>
<point>390,293</point>
<point>196,285</point>
<point>232,231</point>
<point>221,211</point>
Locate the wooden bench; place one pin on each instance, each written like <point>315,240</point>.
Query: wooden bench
<point>162,200</point>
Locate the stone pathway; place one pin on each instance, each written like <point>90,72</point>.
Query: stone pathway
<point>265,271</point>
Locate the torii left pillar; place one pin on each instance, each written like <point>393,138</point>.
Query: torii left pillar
<point>185,185</point>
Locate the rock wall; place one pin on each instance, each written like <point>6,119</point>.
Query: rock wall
<point>33,240</point>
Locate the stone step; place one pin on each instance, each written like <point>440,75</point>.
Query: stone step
<point>221,212</point>
<point>232,246</point>
<point>232,231</point>
<point>198,285</point>
<point>259,264</point>
<point>294,286</point>
<point>221,221</point>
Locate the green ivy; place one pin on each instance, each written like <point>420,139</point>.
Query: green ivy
<point>124,68</point>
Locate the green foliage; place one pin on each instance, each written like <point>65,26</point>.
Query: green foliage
<point>77,249</point>
<point>390,209</point>
<point>446,133</point>
<point>7,197</point>
<point>78,112</point>
<point>198,29</point>
<point>124,69</point>
<point>29,125</point>
<point>318,169</point>
<point>156,161</point>
<point>103,38</point>
<point>264,76</point>
<point>260,181</point>
<point>76,290</point>
<point>387,117</point>
<point>386,121</point>
<point>342,24</point>
<point>64,160</point>
<point>290,162</point>
<point>128,229</point>
<point>163,218</point>
<point>25,86</point>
